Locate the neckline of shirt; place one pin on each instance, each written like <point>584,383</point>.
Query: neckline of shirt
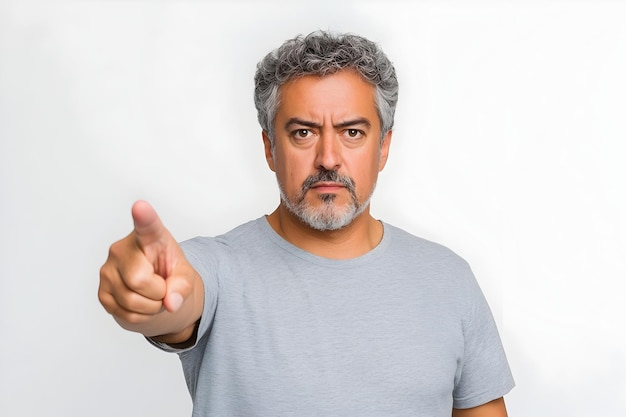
<point>373,254</point>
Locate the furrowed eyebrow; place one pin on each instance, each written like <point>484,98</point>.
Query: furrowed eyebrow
<point>355,122</point>
<point>301,122</point>
<point>347,123</point>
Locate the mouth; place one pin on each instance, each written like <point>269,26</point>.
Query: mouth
<point>327,183</point>
<point>327,187</point>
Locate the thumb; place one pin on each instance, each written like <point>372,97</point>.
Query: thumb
<point>179,286</point>
<point>173,300</point>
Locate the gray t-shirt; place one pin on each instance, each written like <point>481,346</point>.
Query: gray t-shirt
<point>403,330</point>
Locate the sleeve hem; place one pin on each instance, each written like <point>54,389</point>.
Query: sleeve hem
<point>484,398</point>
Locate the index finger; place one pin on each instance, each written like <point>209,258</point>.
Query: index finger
<point>148,226</point>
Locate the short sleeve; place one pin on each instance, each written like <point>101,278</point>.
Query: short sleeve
<point>484,373</point>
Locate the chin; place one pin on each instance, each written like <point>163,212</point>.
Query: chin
<point>328,217</point>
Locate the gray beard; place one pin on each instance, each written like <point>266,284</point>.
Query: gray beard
<point>328,216</point>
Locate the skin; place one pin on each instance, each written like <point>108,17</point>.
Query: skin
<point>331,123</point>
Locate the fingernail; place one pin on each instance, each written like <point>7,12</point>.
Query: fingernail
<point>175,301</point>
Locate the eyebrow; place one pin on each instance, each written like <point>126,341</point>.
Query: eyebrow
<point>354,122</point>
<point>301,122</point>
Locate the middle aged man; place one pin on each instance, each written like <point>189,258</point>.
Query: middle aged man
<point>317,309</point>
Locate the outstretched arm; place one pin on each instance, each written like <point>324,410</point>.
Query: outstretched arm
<point>148,285</point>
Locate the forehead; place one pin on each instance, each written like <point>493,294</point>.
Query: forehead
<point>343,91</point>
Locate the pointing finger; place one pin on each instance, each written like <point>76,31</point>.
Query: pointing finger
<point>148,226</point>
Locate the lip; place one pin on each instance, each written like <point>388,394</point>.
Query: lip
<point>327,187</point>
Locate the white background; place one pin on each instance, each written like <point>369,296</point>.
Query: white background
<point>508,148</point>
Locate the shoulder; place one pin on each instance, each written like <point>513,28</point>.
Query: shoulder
<point>405,243</point>
<point>246,234</point>
<point>438,266</point>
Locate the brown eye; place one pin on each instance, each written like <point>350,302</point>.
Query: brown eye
<point>302,133</point>
<point>354,133</point>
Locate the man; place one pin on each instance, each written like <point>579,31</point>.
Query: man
<point>318,308</point>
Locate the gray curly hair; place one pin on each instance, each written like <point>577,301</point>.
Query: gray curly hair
<point>322,53</point>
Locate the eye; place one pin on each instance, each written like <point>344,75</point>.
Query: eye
<point>354,133</point>
<point>302,133</point>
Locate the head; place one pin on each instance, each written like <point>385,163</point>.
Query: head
<point>321,54</point>
<point>326,104</point>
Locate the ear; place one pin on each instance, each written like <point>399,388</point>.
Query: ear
<point>384,151</point>
<point>269,152</point>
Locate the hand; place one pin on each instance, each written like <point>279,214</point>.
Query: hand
<point>146,282</point>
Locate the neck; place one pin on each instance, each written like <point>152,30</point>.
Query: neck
<point>359,237</point>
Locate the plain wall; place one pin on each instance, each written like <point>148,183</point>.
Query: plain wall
<point>508,148</point>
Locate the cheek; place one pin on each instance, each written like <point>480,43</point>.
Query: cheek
<point>365,180</point>
<point>294,168</point>
<point>289,177</point>
<point>366,172</point>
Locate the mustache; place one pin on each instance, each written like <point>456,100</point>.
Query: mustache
<point>325,175</point>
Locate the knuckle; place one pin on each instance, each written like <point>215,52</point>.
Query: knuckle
<point>121,248</point>
<point>106,300</point>
<point>105,272</point>
<point>138,279</point>
<point>115,250</point>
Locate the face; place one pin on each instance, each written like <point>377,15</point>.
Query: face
<point>327,151</point>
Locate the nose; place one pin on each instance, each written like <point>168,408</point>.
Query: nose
<point>328,154</point>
